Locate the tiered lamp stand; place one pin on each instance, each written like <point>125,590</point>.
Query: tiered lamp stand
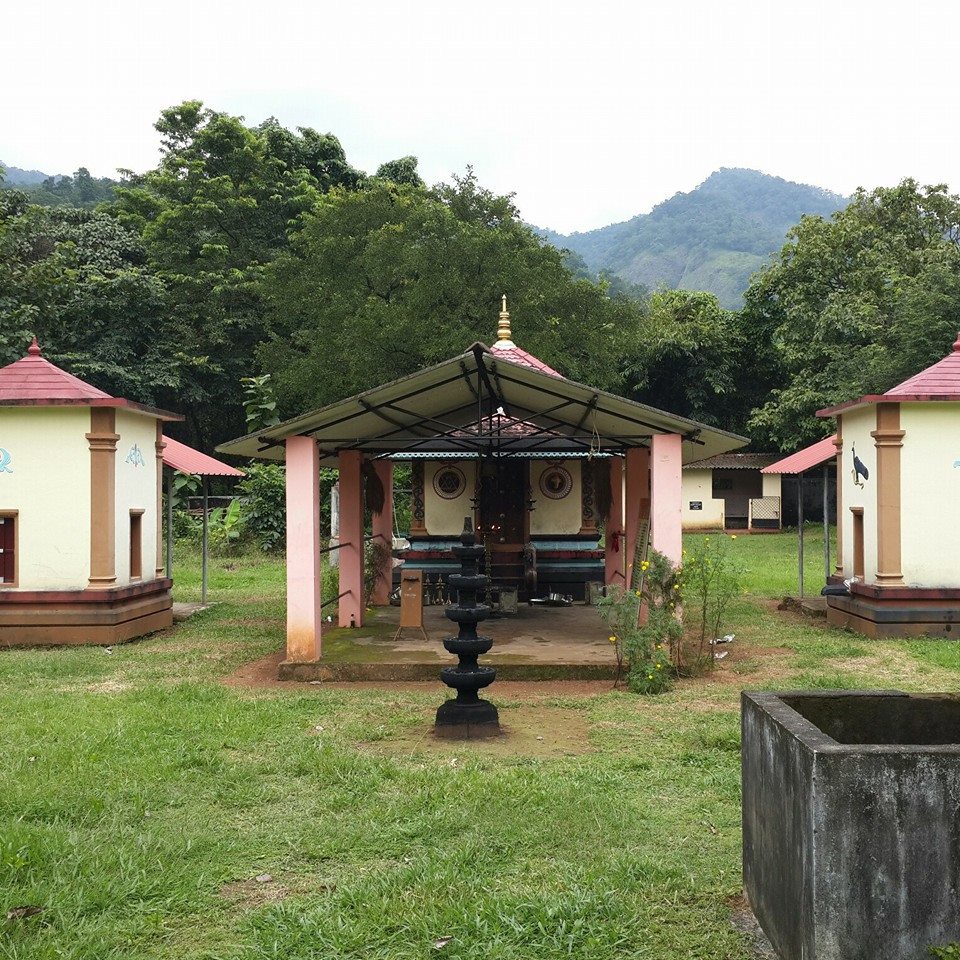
<point>467,716</point>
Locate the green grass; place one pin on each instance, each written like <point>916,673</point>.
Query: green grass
<point>140,797</point>
<point>771,560</point>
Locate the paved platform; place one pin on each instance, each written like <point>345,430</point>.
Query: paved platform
<point>539,642</point>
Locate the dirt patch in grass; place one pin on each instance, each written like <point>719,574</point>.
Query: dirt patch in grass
<point>108,686</point>
<point>253,893</point>
<point>528,731</point>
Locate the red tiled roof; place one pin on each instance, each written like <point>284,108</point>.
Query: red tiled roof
<point>806,459</point>
<point>514,354</point>
<point>36,380</point>
<point>939,382</point>
<point>187,460</point>
<point>942,380</point>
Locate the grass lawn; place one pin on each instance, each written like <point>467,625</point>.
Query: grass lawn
<point>141,797</point>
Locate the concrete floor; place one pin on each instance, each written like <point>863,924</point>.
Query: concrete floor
<point>535,635</point>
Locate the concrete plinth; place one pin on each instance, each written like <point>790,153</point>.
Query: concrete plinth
<point>851,830</point>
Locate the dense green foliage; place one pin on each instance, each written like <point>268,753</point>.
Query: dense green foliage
<point>81,283</point>
<point>712,238</point>
<point>383,281</point>
<point>255,251</point>
<point>854,305</point>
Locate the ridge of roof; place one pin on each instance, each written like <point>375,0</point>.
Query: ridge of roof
<point>35,379</point>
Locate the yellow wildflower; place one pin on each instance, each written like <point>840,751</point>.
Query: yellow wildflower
<point>659,666</point>
<point>613,639</point>
<point>733,536</point>
<point>649,676</point>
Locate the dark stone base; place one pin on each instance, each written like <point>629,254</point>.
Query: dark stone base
<point>467,731</point>
<point>459,720</point>
<point>896,613</point>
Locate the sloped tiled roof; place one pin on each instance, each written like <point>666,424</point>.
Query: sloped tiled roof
<point>33,381</point>
<point>185,459</point>
<point>508,350</point>
<point>941,381</point>
<point>36,380</point>
<point>733,461</point>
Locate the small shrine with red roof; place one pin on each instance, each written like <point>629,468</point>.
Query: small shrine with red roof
<point>898,507</point>
<point>80,514</point>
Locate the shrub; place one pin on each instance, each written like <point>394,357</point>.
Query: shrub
<point>644,651</point>
<point>711,578</point>
<point>264,505</point>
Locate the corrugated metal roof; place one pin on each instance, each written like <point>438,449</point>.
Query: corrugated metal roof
<point>733,461</point>
<point>424,411</point>
<point>806,459</point>
<point>185,459</point>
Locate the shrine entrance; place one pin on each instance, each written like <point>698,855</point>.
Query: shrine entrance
<point>503,521</point>
<point>503,497</point>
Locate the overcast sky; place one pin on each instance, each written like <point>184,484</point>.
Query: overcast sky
<point>590,112</point>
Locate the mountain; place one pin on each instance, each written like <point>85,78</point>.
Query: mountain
<point>712,238</point>
<point>15,177</point>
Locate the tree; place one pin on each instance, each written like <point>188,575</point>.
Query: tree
<point>80,282</point>
<point>213,214</point>
<point>401,171</point>
<point>381,282</point>
<point>688,358</point>
<point>854,304</point>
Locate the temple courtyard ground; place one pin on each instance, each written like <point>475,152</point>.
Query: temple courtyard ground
<point>166,799</point>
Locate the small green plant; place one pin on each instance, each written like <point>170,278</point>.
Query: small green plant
<point>226,528</point>
<point>644,651</point>
<point>259,402</point>
<point>950,952</point>
<point>264,505</point>
<point>711,578</point>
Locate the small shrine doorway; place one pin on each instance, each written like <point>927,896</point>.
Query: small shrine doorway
<point>503,501</point>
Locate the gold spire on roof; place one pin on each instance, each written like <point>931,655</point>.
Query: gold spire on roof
<point>504,336</point>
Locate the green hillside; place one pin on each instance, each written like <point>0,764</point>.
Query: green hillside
<point>712,238</point>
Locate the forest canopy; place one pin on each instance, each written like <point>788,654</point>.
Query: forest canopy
<point>253,250</point>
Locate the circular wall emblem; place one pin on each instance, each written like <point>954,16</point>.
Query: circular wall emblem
<point>449,482</point>
<point>556,483</point>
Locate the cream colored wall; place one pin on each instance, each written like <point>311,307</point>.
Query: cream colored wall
<point>930,494</point>
<point>556,516</point>
<point>444,518</point>
<point>857,426</point>
<point>698,485</point>
<point>47,482</point>
<point>136,485</point>
<point>771,484</point>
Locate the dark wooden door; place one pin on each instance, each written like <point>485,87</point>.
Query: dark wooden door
<point>503,501</point>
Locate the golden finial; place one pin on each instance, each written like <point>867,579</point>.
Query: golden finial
<point>503,328</point>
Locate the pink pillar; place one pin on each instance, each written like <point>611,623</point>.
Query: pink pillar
<point>614,539</point>
<point>637,500</point>
<point>303,550</point>
<point>351,535</point>
<point>383,530</point>
<point>666,495</point>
